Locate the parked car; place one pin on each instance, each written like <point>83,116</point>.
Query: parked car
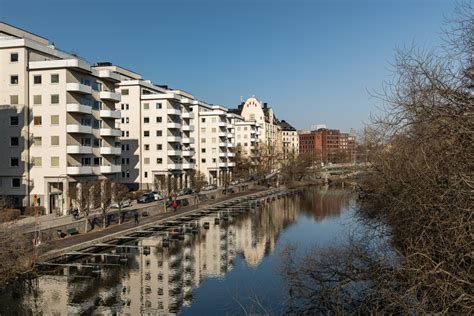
<point>125,203</point>
<point>210,187</point>
<point>185,191</point>
<point>157,195</point>
<point>146,198</point>
<point>235,182</point>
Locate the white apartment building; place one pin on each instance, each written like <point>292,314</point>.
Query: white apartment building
<point>58,126</point>
<point>290,139</point>
<point>254,110</point>
<point>214,142</point>
<point>156,123</point>
<point>246,134</point>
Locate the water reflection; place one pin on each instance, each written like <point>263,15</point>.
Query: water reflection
<point>154,276</point>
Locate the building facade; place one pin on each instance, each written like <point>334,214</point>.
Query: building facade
<point>59,123</point>
<point>290,140</point>
<point>328,145</point>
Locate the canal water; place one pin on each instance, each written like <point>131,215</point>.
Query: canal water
<point>229,268</point>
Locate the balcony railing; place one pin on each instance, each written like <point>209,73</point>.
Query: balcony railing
<point>115,114</point>
<point>78,149</point>
<point>79,170</point>
<point>78,108</point>
<point>109,95</point>
<point>78,128</point>
<point>78,87</point>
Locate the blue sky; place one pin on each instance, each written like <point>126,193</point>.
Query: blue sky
<point>312,61</point>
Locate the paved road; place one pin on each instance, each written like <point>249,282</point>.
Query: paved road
<point>52,220</point>
<point>59,244</point>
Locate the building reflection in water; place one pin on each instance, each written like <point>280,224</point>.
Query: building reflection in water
<point>159,278</point>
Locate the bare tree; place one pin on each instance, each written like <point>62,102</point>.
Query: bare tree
<point>119,192</point>
<point>418,197</point>
<point>86,198</point>
<point>105,199</point>
<point>198,180</point>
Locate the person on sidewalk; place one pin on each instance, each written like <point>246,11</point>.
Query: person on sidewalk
<point>174,205</point>
<point>136,217</point>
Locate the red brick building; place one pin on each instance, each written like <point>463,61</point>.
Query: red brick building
<point>329,145</point>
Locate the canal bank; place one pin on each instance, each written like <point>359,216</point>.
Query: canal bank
<point>59,247</point>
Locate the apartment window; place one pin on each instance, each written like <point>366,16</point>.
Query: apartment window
<point>54,140</point>
<point>54,119</point>
<point>158,106</point>
<point>203,160</point>
<point>37,99</point>
<point>54,98</point>
<point>146,133</point>
<point>213,120</point>
<point>203,120</point>
<point>14,79</point>
<point>146,174</point>
<point>126,106</point>
<point>146,120</point>
<point>147,147</point>
<point>159,119</point>
<point>159,161</point>
<point>123,133</point>
<point>127,120</point>
<point>37,79</point>
<point>203,150</point>
<point>14,141</point>
<point>124,92</point>
<point>214,160</point>
<point>122,106</point>
<point>203,140</point>
<point>123,121</point>
<point>159,147</point>
<point>159,133</point>
<point>97,161</point>
<point>14,57</point>
<point>214,140</point>
<point>203,129</point>
<point>146,161</point>
<point>37,141</point>
<point>97,105</point>
<point>54,161</point>
<point>146,106</point>
<point>127,133</point>
<point>16,182</point>
<point>14,162</point>
<point>54,78</point>
<point>37,120</point>
<point>13,120</point>
<point>37,161</point>
<point>13,99</point>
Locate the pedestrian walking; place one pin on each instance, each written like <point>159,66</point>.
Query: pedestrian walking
<point>136,217</point>
<point>174,205</point>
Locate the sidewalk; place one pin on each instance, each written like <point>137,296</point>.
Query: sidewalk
<point>52,220</point>
<point>59,245</point>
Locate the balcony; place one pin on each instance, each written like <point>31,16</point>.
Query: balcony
<point>78,128</point>
<point>189,165</point>
<point>174,152</point>
<point>188,153</point>
<point>230,154</point>
<point>230,145</point>
<point>222,154</point>
<point>108,74</point>
<point>174,139</point>
<point>222,134</point>
<point>252,131</point>
<point>189,115</point>
<point>110,169</point>
<point>230,135</point>
<point>78,87</point>
<point>188,128</point>
<point>109,95</point>
<point>78,108</point>
<point>173,125</point>
<point>110,114</point>
<point>223,164</point>
<point>109,150</point>
<point>110,132</point>
<point>173,112</point>
<point>78,149</point>
<point>174,166</point>
<point>188,140</point>
<point>79,170</point>
<point>229,125</point>
<point>253,139</point>
<point>231,164</point>
<point>222,124</point>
